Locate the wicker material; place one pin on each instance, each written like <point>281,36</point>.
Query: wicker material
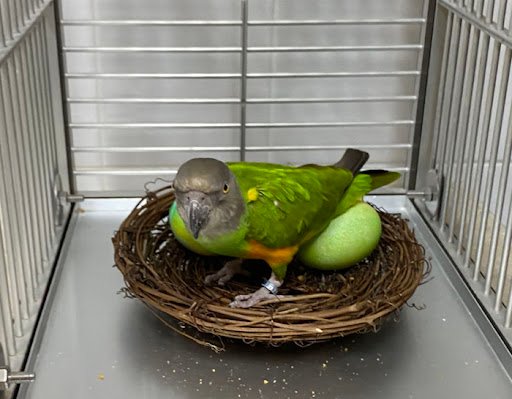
<point>320,306</point>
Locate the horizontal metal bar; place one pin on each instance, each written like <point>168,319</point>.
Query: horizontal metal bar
<point>152,125</point>
<point>330,100</point>
<point>152,49</point>
<point>153,100</point>
<point>93,75</point>
<point>167,171</point>
<point>328,124</point>
<point>124,172</point>
<point>259,75</point>
<point>304,100</point>
<point>156,22</point>
<point>18,38</point>
<point>269,49</point>
<point>262,75</point>
<point>153,149</point>
<point>248,148</point>
<point>327,147</point>
<point>160,125</point>
<point>332,74</point>
<point>490,29</point>
<point>324,22</point>
<point>314,22</point>
<point>289,49</point>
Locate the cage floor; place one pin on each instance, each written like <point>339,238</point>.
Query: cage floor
<point>95,343</point>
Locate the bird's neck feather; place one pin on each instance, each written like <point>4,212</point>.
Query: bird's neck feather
<point>225,218</point>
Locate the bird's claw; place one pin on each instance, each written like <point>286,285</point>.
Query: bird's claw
<point>246,301</point>
<point>228,271</point>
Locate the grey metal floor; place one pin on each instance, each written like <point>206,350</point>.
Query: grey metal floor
<point>97,344</point>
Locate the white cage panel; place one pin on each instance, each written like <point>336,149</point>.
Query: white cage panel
<point>32,160</point>
<point>149,86</point>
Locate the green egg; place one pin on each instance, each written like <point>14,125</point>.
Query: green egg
<point>348,239</point>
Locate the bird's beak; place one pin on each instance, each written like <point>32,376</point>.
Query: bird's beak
<point>197,216</point>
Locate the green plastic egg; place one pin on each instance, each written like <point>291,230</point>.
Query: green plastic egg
<point>348,239</point>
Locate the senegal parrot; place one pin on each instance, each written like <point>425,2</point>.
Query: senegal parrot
<point>264,211</point>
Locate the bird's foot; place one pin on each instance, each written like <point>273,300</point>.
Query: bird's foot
<point>268,291</point>
<point>225,274</point>
<point>246,301</point>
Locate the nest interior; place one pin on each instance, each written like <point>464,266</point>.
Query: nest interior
<point>318,305</point>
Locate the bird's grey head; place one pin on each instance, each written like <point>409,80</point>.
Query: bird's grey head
<point>208,197</point>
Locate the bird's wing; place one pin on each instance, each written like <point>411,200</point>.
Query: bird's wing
<point>288,205</point>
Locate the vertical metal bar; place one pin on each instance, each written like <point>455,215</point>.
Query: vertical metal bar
<point>467,87</point>
<point>23,12</point>
<point>494,128</point>
<point>448,93</point>
<point>47,90</point>
<point>58,67</point>
<point>507,18</point>
<point>499,15</point>
<point>243,78</point>
<point>505,116</point>
<point>474,113</point>
<point>487,10</point>
<point>508,317</point>
<point>8,21</point>
<point>452,130</point>
<point>3,40</point>
<point>421,89</point>
<point>477,8</point>
<point>483,126</point>
<point>17,16</point>
<point>33,169</point>
<point>442,88</point>
<point>19,175</point>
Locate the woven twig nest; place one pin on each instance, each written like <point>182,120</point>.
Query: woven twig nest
<point>318,306</point>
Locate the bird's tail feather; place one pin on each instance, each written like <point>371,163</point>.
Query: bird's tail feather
<point>352,160</point>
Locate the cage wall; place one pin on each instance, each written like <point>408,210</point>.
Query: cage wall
<point>150,85</point>
<point>33,167</point>
<point>470,101</point>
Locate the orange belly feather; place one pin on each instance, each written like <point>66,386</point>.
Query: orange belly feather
<point>273,256</point>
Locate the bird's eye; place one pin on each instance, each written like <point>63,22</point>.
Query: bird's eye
<point>225,188</point>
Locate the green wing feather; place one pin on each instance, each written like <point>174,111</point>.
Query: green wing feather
<point>362,184</point>
<point>293,204</point>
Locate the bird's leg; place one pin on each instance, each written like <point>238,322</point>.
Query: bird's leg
<point>230,269</point>
<point>267,291</point>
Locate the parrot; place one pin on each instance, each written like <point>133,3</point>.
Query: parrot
<point>266,211</point>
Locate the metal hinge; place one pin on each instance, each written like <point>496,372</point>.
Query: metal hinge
<point>431,193</point>
<point>61,198</point>
<point>8,377</point>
